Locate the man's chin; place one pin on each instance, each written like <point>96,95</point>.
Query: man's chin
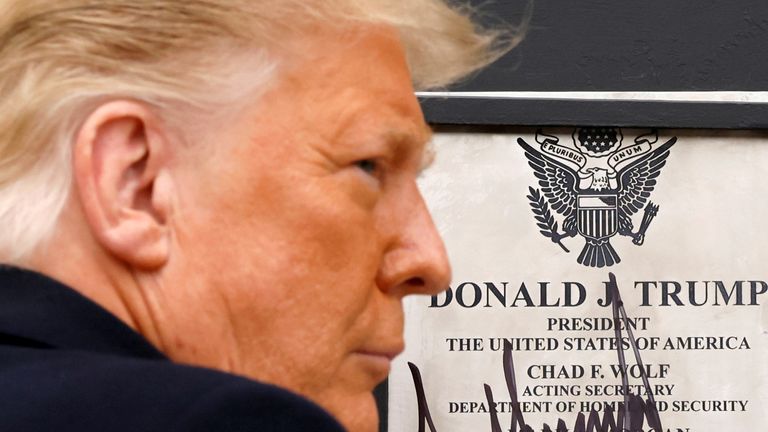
<point>357,413</point>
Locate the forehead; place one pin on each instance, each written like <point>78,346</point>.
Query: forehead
<point>353,78</point>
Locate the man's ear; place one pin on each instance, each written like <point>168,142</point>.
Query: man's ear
<point>121,158</point>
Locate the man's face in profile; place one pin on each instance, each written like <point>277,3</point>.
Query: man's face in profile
<point>302,228</point>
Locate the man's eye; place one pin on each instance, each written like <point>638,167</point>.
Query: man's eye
<point>367,165</point>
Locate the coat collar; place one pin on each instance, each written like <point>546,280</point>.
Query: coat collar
<point>45,313</point>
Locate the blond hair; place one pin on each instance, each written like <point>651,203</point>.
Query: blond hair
<point>60,58</point>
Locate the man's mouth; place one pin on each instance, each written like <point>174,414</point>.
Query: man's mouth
<point>378,360</point>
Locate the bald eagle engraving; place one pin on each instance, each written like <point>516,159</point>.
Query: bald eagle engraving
<point>596,185</point>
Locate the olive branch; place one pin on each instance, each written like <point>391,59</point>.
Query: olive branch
<point>544,219</point>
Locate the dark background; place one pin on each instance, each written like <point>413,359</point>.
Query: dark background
<point>620,45</point>
<point>629,45</point>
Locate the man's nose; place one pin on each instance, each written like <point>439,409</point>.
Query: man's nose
<point>416,261</point>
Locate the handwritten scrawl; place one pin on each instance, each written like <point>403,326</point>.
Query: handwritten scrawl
<point>597,185</point>
<point>633,412</point>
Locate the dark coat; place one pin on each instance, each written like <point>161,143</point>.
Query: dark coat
<point>66,364</point>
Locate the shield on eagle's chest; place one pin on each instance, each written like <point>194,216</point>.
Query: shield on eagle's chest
<point>597,215</point>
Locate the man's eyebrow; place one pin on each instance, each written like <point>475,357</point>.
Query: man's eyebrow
<point>401,141</point>
<point>429,153</point>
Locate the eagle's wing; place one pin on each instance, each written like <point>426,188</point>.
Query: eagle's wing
<point>637,180</point>
<point>557,181</point>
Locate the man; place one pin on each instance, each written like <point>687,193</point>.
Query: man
<point>222,198</point>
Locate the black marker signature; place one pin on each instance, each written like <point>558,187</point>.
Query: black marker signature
<point>632,415</point>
